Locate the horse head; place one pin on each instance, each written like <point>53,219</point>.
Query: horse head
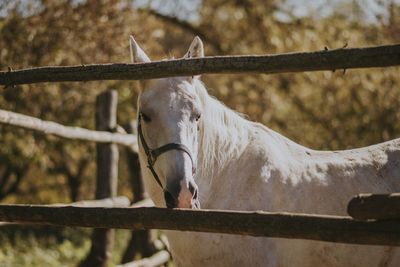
<point>169,112</point>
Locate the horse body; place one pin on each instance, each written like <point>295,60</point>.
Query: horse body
<point>271,173</point>
<point>242,165</point>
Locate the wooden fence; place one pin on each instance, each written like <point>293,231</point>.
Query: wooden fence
<point>344,58</point>
<point>107,135</point>
<point>49,127</point>
<point>363,228</point>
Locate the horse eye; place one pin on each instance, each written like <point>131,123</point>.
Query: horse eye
<point>145,117</point>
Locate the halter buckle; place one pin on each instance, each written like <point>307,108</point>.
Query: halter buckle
<point>151,158</point>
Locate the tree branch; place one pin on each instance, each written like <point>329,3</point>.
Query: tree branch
<point>345,58</point>
<point>267,224</point>
<point>49,127</point>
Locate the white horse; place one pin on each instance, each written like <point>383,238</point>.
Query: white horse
<point>243,165</point>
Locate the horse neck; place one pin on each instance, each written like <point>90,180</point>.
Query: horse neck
<point>224,134</point>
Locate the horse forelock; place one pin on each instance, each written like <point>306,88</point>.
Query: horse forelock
<point>223,135</point>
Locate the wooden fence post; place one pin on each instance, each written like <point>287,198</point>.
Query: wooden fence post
<point>141,240</point>
<point>107,176</point>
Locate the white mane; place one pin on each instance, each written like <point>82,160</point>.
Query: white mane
<point>223,136</point>
<point>256,168</point>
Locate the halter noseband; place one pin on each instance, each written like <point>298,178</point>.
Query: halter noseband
<point>153,154</point>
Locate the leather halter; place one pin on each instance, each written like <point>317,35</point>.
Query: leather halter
<point>153,154</point>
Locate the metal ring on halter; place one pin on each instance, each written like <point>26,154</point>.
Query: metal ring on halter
<point>153,154</point>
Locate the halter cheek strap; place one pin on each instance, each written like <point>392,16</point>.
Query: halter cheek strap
<point>153,154</point>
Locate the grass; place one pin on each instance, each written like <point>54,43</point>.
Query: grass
<point>50,246</point>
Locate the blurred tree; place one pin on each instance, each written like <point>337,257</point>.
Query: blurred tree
<point>61,33</point>
<point>322,110</point>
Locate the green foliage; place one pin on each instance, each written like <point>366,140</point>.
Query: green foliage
<point>40,247</point>
<point>51,246</point>
<point>323,110</point>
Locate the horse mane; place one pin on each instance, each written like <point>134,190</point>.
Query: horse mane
<point>224,134</point>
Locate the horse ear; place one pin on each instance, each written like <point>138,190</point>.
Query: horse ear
<point>137,54</point>
<point>196,49</point>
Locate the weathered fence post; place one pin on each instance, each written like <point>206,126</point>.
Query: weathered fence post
<point>375,207</point>
<point>141,241</point>
<point>107,176</point>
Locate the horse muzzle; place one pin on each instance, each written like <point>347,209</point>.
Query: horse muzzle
<point>183,195</point>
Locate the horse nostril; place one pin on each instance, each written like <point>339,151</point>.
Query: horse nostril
<point>169,200</point>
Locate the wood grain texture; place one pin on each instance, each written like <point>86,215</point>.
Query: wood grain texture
<point>267,224</point>
<point>49,127</point>
<point>345,58</point>
<point>375,207</point>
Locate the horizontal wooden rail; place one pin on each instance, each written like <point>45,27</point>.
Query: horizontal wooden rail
<point>49,127</point>
<point>112,202</point>
<point>120,201</point>
<point>375,206</point>
<point>345,58</point>
<point>280,225</point>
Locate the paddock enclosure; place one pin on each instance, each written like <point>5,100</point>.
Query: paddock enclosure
<point>373,219</point>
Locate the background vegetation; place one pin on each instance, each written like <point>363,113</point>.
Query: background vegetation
<point>324,110</point>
